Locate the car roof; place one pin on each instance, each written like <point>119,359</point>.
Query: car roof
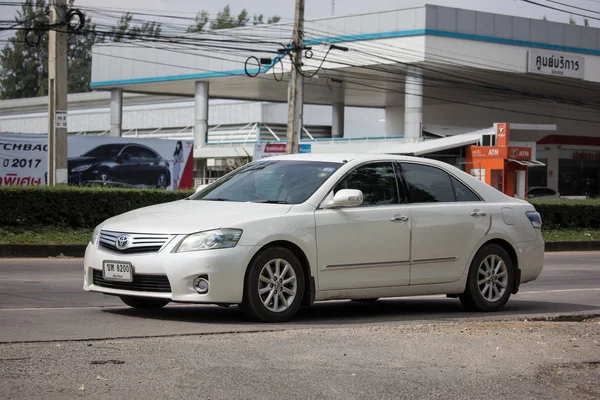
<point>340,157</point>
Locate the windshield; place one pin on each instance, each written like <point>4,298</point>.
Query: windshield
<point>107,150</point>
<point>281,182</point>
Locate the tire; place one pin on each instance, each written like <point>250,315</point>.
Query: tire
<point>162,181</point>
<point>144,303</point>
<point>268,305</point>
<point>482,280</point>
<point>104,176</point>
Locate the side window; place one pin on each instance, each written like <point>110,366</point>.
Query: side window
<point>131,151</point>
<point>427,184</point>
<point>145,153</point>
<point>463,193</point>
<point>548,192</point>
<point>377,181</point>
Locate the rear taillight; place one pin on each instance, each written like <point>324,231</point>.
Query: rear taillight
<point>535,218</point>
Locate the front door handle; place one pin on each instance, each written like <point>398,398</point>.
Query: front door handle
<point>478,214</point>
<point>399,218</point>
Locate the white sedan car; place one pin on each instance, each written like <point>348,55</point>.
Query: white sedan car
<point>287,231</point>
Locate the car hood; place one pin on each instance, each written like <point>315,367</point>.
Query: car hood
<point>189,216</point>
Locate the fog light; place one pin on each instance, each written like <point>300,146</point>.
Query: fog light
<point>201,285</point>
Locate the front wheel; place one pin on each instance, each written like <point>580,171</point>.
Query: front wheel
<point>144,303</point>
<point>273,287</point>
<point>162,181</point>
<point>491,279</point>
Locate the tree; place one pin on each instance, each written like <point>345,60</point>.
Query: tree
<point>125,30</point>
<point>24,68</point>
<point>572,20</point>
<point>586,22</point>
<point>201,21</point>
<point>226,20</point>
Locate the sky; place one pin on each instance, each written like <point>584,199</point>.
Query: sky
<point>322,8</point>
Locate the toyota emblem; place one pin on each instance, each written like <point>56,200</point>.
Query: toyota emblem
<point>123,241</point>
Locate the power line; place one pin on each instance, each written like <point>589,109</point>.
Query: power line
<point>570,6</point>
<point>561,10</point>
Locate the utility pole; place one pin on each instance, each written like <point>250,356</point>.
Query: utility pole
<point>333,8</point>
<point>57,94</point>
<point>296,87</point>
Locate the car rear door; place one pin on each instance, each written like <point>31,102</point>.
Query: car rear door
<point>366,246</point>
<point>448,222</point>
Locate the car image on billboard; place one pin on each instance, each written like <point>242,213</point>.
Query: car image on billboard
<point>129,164</point>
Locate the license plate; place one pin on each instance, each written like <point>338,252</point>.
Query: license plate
<point>117,271</point>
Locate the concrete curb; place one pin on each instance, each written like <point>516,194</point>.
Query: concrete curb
<point>591,245</point>
<point>78,250</point>
<point>41,250</point>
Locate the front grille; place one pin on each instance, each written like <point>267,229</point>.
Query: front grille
<point>141,283</point>
<point>138,242</point>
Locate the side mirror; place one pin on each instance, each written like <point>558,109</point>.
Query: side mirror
<point>346,198</point>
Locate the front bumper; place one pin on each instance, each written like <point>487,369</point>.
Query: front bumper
<point>225,269</point>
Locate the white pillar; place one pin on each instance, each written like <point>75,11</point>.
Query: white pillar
<point>337,111</point>
<point>394,121</point>
<point>201,114</point>
<point>337,120</point>
<point>116,112</point>
<point>413,104</point>
<point>552,167</point>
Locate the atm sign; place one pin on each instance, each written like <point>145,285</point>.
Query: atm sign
<point>519,153</point>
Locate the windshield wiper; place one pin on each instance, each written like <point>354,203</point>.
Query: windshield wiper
<point>273,202</point>
<point>217,199</point>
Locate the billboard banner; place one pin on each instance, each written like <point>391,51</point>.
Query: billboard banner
<point>263,150</point>
<point>152,163</point>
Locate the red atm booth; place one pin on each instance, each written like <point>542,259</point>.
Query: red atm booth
<point>501,165</point>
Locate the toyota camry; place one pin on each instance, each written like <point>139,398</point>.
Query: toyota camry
<point>287,231</point>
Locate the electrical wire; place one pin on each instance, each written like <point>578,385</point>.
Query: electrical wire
<point>570,6</point>
<point>188,41</point>
<point>559,9</point>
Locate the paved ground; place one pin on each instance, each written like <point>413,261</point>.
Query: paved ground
<point>425,347</point>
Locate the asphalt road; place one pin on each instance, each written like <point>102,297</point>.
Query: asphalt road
<point>58,342</point>
<point>43,300</point>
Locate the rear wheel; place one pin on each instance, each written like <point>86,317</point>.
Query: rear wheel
<point>273,287</point>
<point>144,303</point>
<point>490,281</point>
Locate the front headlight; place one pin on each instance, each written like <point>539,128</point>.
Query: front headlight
<point>82,168</point>
<point>208,240</point>
<point>95,234</point>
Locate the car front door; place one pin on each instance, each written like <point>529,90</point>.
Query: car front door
<point>448,222</point>
<point>367,246</point>
<point>127,164</point>
<point>148,169</point>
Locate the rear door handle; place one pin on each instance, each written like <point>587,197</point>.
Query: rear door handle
<point>399,218</point>
<point>478,214</point>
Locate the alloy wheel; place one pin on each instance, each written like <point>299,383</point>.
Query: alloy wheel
<point>277,285</point>
<point>492,278</point>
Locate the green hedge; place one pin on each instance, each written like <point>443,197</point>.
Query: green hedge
<point>74,207</point>
<point>87,207</point>
<point>569,213</point>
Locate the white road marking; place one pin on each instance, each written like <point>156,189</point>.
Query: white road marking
<point>560,290</point>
